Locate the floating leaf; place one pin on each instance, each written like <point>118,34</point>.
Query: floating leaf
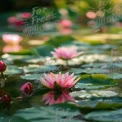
<point>40,69</point>
<point>105,116</point>
<point>31,76</point>
<point>97,79</point>
<point>93,93</point>
<point>48,114</point>
<point>100,103</point>
<point>4,118</point>
<point>13,70</point>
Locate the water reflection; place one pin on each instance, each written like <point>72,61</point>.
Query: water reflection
<point>12,42</point>
<point>11,48</point>
<point>52,97</point>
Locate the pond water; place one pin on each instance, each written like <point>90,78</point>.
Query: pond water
<point>99,87</point>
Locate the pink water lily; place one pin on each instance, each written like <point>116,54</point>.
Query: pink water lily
<point>59,81</point>
<point>12,39</point>
<point>51,99</point>
<point>66,53</point>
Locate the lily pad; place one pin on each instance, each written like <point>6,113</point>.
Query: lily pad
<point>48,114</point>
<point>39,69</point>
<point>13,70</point>
<point>97,79</point>
<point>105,116</point>
<point>31,76</point>
<point>93,93</point>
<point>100,103</point>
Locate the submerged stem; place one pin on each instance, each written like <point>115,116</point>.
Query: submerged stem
<point>2,82</point>
<point>3,76</point>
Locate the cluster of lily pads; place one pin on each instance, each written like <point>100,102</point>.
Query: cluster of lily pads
<point>64,74</point>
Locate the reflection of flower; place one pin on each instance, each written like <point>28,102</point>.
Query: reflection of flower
<point>12,39</point>
<point>59,81</point>
<point>52,98</point>
<point>11,48</point>
<point>65,26</point>
<point>66,53</point>
<point>27,88</point>
<point>66,23</point>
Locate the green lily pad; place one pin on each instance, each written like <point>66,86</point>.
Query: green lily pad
<point>89,86</point>
<point>105,116</point>
<point>93,93</point>
<point>13,70</point>
<point>48,114</point>
<point>39,69</point>
<point>97,79</point>
<point>4,118</point>
<point>31,76</point>
<point>100,103</point>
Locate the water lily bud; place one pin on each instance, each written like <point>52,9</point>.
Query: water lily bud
<point>27,88</point>
<point>6,99</point>
<point>2,66</point>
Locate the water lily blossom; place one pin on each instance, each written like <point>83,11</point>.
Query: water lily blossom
<point>27,88</point>
<point>59,81</point>
<point>11,39</point>
<point>51,98</point>
<point>66,53</point>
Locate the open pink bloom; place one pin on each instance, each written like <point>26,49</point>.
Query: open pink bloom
<point>50,98</point>
<point>11,38</point>
<point>66,53</point>
<point>59,81</point>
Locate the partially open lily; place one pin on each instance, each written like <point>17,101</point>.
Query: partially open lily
<point>66,53</point>
<point>59,81</point>
<point>27,88</point>
<point>52,98</point>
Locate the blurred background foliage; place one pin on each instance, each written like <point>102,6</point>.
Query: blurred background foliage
<point>86,16</point>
